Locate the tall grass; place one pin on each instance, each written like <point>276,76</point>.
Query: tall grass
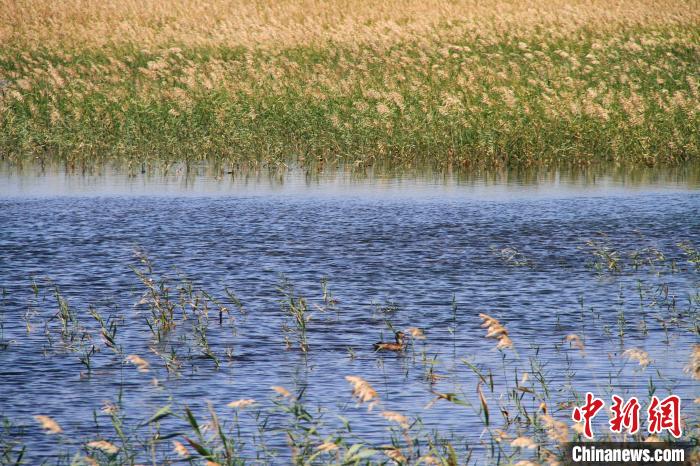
<point>404,83</point>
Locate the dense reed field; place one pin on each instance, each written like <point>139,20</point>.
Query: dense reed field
<point>401,82</point>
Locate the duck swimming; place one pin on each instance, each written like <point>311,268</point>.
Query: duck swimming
<point>400,344</point>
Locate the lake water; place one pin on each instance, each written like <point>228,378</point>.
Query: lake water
<point>405,251</point>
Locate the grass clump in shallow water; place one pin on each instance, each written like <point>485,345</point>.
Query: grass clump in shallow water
<point>409,82</point>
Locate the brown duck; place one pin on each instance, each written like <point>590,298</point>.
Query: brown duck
<point>400,344</point>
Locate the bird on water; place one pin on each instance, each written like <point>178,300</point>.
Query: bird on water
<point>399,345</point>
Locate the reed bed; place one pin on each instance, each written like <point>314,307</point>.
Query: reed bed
<point>401,83</point>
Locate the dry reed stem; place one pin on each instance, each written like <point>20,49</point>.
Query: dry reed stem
<point>104,446</point>
<point>327,446</point>
<point>109,408</point>
<point>575,341</point>
<point>241,404</point>
<point>48,424</point>
<point>523,442</point>
<point>180,449</point>
<point>398,418</point>
<point>281,391</point>
<point>395,454</point>
<point>363,391</point>
<point>429,460</point>
<point>639,355</point>
<point>556,430</point>
<point>141,364</point>
<point>497,331</point>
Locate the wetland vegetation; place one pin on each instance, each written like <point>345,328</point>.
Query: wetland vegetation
<point>157,306</point>
<point>443,83</point>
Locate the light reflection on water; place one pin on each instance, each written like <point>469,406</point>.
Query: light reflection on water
<point>207,180</point>
<point>413,242</point>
